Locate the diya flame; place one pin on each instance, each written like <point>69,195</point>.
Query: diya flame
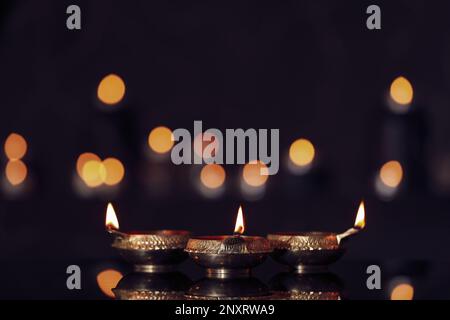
<point>239,227</point>
<point>360,221</point>
<point>111,221</point>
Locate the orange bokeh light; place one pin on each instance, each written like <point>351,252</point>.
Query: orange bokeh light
<point>83,159</point>
<point>94,173</point>
<point>212,176</point>
<point>16,172</point>
<point>302,152</point>
<point>111,89</point>
<point>108,280</point>
<point>255,174</point>
<point>160,140</point>
<point>115,171</point>
<point>391,174</point>
<point>402,91</point>
<point>15,146</point>
<point>403,291</point>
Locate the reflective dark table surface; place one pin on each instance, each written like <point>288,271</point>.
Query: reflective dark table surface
<point>346,280</point>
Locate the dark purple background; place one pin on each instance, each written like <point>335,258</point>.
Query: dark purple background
<point>310,68</point>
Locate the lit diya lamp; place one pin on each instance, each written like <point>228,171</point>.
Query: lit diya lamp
<point>229,256</point>
<point>312,252</point>
<point>152,251</point>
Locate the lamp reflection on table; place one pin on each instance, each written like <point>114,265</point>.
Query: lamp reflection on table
<point>152,286</point>
<point>246,288</point>
<point>295,286</point>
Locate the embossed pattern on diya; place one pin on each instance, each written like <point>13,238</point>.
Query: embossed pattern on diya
<point>228,245</point>
<point>154,240</point>
<point>152,252</point>
<point>304,241</point>
<point>228,256</point>
<point>148,295</point>
<point>309,252</point>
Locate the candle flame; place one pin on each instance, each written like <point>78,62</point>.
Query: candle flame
<point>360,221</point>
<point>239,227</point>
<point>111,221</point>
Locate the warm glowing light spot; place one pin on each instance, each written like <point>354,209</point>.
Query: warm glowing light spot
<point>206,144</point>
<point>115,171</point>
<point>255,174</point>
<point>16,172</point>
<point>160,140</point>
<point>108,280</point>
<point>402,291</point>
<point>239,227</point>
<point>391,174</point>
<point>212,176</point>
<point>302,152</point>
<point>15,146</point>
<point>111,89</point>
<point>111,220</point>
<point>94,173</point>
<point>83,159</point>
<point>402,91</point>
<point>360,221</point>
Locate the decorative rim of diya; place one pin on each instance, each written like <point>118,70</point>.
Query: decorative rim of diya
<point>310,241</point>
<point>144,241</point>
<point>303,241</point>
<point>151,240</point>
<point>228,245</point>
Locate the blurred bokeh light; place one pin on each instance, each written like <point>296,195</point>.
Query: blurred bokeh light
<point>402,94</point>
<point>402,291</point>
<point>255,174</point>
<point>115,171</point>
<point>16,172</point>
<point>15,146</point>
<point>391,174</point>
<point>160,140</point>
<point>108,280</point>
<point>302,152</point>
<point>212,176</point>
<point>83,159</point>
<point>94,173</point>
<point>388,180</point>
<point>111,89</point>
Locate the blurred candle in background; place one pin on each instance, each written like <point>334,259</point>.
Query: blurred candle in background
<point>211,180</point>
<point>402,161</point>
<point>16,170</point>
<point>306,175</point>
<point>253,180</point>
<point>301,156</point>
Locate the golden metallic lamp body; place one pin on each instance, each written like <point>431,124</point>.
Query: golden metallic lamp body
<point>153,251</point>
<point>228,256</point>
<point>309,252</point>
